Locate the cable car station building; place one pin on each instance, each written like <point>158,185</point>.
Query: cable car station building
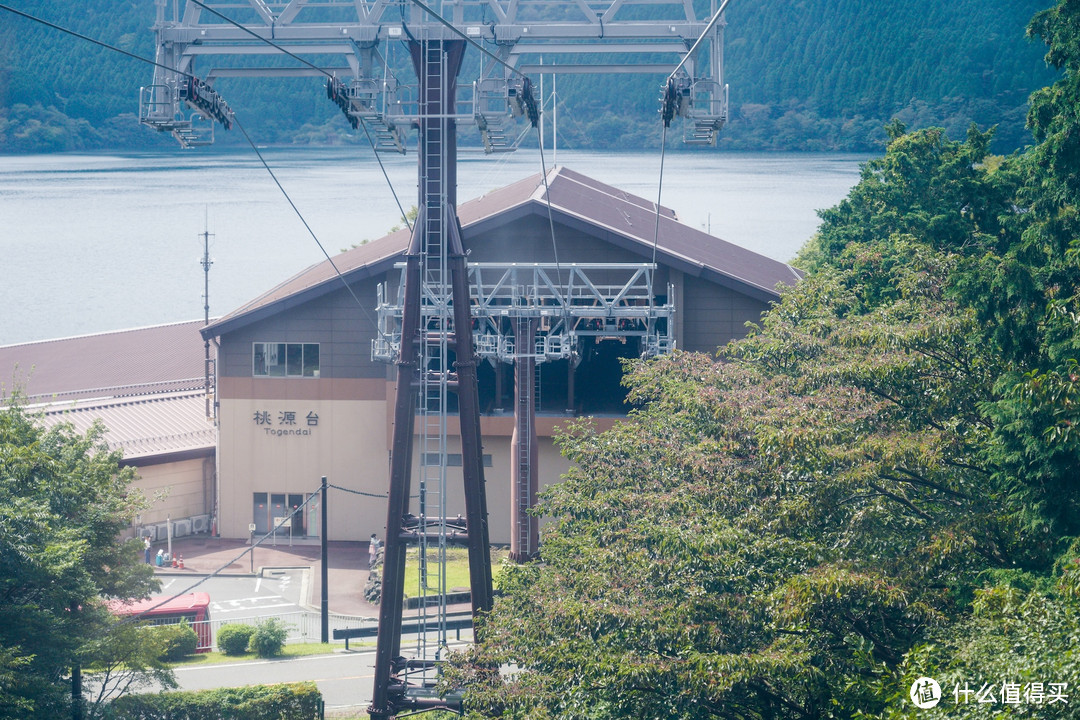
<point>567,278</point>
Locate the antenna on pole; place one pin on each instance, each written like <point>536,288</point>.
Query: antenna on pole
<point>209,376</point>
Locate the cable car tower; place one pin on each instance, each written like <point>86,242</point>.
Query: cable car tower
<point>432,343</point>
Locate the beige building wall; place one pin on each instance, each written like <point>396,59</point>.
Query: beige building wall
<point>175,489</point>
<point>350,445</point>
<point>264,449</point>
<point>496,480</point>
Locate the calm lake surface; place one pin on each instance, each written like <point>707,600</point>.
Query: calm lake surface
<point>91,243</point>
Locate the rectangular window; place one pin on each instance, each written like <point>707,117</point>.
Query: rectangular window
<point>285,359</point>
<point>453,459</point>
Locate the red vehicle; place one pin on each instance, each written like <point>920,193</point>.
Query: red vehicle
<point>192,607</point>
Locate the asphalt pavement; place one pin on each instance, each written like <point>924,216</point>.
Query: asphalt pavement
<point>347,566</point>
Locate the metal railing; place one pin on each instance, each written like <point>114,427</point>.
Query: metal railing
<point>303,626</point>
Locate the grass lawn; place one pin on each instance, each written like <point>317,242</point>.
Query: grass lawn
<point>457,569</point>
<point>290,650</point>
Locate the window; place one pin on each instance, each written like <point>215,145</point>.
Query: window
<point>453,459</point>
<point>285,359</point>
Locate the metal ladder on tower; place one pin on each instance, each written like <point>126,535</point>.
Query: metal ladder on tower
<point>526,452</point>
<point>436,340</point>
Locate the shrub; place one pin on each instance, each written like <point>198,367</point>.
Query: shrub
<point>177,641</point>
<point>268,638</point>
<point>233,638</point>
<point>293,701</point>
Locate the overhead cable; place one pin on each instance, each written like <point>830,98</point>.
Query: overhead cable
<point>330,76</point>
<point>701,38</point>
<point>216,572</point>
<point>236,120</point>
<point>420,4</point>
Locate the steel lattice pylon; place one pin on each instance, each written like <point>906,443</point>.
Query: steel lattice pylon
<point>435,322</point>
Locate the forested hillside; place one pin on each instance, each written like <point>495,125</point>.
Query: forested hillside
<point>804,75</point>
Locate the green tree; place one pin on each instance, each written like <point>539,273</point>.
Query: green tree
<point>788,532</point>
<point>125,658</point>
<point>64,502</point>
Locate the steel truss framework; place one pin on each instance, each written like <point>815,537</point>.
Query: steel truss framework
<point>530,313</point>
<point>349,39</point>
<point>569,302</point>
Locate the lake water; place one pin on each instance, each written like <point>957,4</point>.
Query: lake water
<point>91,243</point>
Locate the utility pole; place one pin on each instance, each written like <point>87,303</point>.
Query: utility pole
<point>325,570</point>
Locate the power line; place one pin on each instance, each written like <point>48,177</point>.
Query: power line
<point>215,573</point>
<point>250,142</point>
<point>466,38</point>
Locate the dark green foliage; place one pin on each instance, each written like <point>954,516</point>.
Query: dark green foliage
<point>232,639</point>
<point>810,75</point>
<point>292,701</point>
<point>268,638</point>
<point>879,483</point>
<point>64,501</point>
<point>177,641</point>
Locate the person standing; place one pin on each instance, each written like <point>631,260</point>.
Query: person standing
<point>146,549</point>
<point>372,550</point>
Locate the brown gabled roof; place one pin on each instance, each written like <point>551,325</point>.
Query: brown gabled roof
<point>625,220</point>
<point>145,385</point>
<point>161,358</point>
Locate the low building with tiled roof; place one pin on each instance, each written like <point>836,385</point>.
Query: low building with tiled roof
<point>301,397</point>
<point>147,387</point>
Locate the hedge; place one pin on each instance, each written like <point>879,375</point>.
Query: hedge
<point>291,701</point>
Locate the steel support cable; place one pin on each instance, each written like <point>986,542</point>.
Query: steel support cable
<point>668,112</point>
<point>132,618</point>
<point>669,106</point>
<point>378,158</point>
<point>656,231</point>
<point>254,545</point>
<point>306,226</point>
<point>420,4</point>
<point>701,37</point>
<point>250,142</point>
<point>659,191</point>
<point>551,220</point>
<point>329,76</point>
<point>251,548</point>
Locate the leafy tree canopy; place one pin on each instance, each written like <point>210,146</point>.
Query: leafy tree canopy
<point>877,484</point>
<point>64,502</point>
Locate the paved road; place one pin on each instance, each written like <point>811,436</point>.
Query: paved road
<point>344,678</point>
<point>275,592</point>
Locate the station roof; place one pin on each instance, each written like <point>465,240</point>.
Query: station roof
<point>146,385</point>
<point>140,361</point>
<point>575,200</point>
